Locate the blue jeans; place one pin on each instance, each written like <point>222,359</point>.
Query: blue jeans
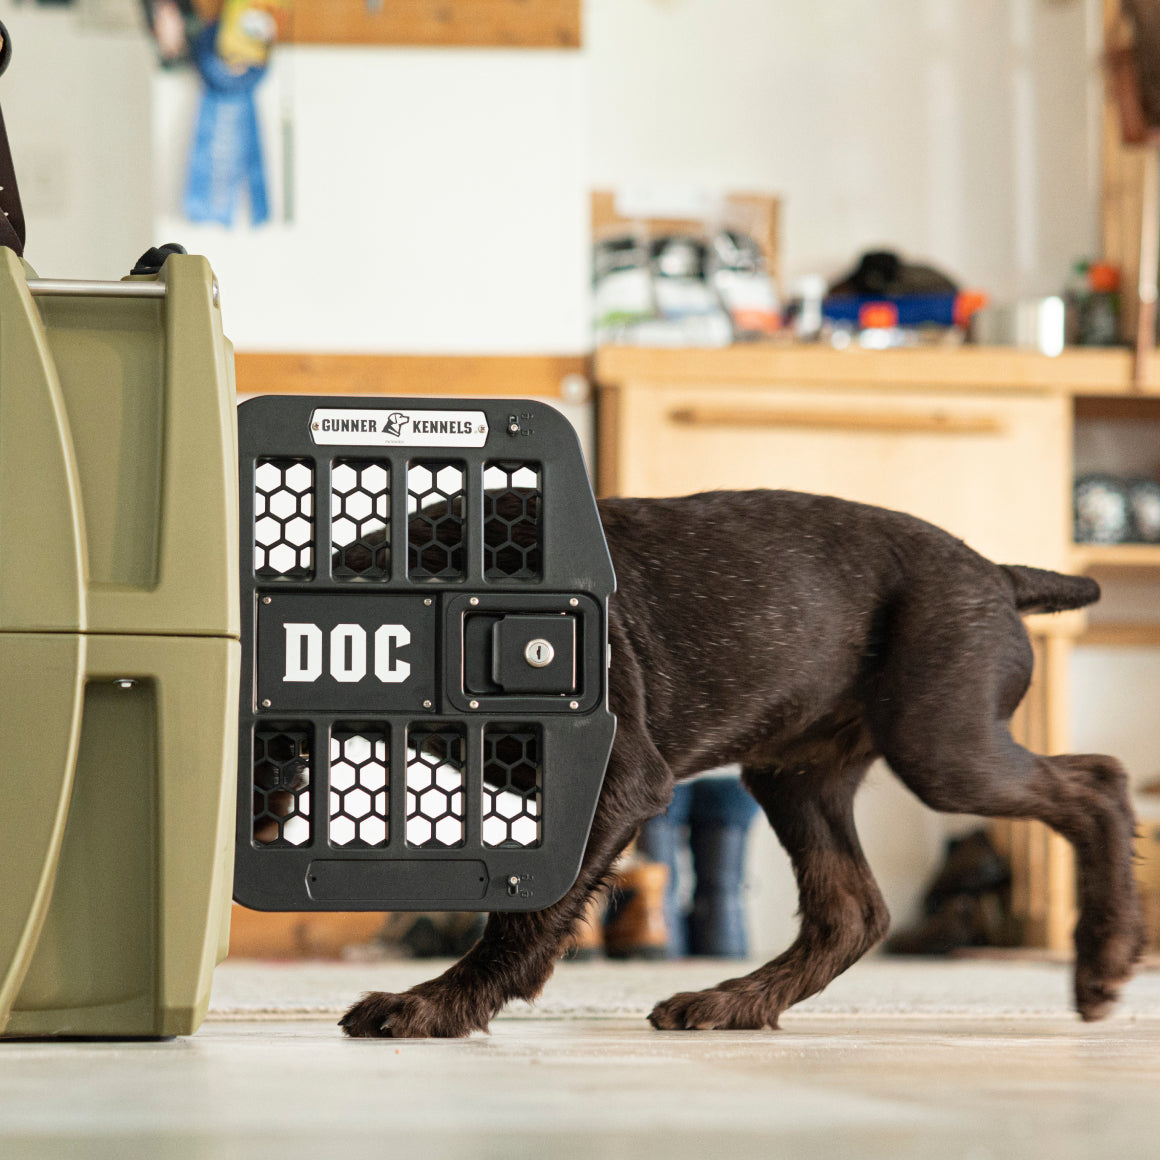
<point>713,815</point>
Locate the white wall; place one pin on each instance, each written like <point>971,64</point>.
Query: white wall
<point>903,842</point>
<point>1114,691</point>
<point>451,186</point>
<point>960,131</point>
<point>76,105</point>
<point>439,203</point>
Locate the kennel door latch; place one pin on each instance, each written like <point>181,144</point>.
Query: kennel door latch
<point>521,653</point>
<point>534,654</point>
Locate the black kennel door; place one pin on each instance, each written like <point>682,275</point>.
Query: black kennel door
<point>424,705</point>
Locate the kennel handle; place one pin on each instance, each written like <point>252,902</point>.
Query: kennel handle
<point>80,288</point>
<point>898,422</point>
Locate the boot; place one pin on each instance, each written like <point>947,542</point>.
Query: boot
<point>717,923</point>
<point>966,905</point>
<point>952,925</point>
<point>971,865</point>
<point>635,924</point>
<point>435,935</point>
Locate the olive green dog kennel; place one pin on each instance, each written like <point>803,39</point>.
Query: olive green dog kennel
<point>119,649</point>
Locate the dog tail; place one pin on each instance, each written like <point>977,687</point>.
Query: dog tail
<point>1037,590</point>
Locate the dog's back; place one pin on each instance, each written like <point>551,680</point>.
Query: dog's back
<point>760,612</point>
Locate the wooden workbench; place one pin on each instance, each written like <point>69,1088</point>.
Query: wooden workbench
<point>976,440</point>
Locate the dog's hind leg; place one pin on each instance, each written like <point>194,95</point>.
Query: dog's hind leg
<point>518,950</point>
<point>842,912</point>
<point>940,716</point>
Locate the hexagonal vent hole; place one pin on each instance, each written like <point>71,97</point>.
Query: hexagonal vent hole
<point>360,519</point>
<point>512,514</point>
<point>282,785</point>
<point>359,787</point>
<point>435,527</point>
<point>435,795</point>
<point>512,787</point>
<point>284,519</point>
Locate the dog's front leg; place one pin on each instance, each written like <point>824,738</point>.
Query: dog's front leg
<point>842,911</point>
<point>516,955</point>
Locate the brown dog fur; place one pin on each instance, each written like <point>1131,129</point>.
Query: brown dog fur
<point>804,637</point>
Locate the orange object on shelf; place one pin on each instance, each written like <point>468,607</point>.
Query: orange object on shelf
<point>1104,277</point>
<point>877,315</point>
<point>968,303</point>
<point>757,321</point>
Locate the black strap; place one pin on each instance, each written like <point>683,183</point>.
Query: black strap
<point>11,211</point>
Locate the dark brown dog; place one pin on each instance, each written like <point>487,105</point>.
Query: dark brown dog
<point>805,636</point>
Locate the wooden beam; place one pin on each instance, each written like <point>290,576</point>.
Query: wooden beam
<point>608,442</point>
<point>438,23</point>
<point>1129,194</point>
<point>389,374</point>
<point>1139,635</point>
<point>1148,267</point>
<point>1116,557</point>
<point>1059,856</point>
<point>1122,180</point>
<point>1119,408</point>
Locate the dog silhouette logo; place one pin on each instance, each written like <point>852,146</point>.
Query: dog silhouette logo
<point>395,423</point>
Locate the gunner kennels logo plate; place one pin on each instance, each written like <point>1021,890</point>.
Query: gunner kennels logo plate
<point>397,428</point>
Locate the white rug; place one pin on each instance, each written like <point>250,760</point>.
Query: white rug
<point>247,989</point>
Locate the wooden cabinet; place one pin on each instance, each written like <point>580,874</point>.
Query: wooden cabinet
<point>992,469</point>
<point>977,441</point>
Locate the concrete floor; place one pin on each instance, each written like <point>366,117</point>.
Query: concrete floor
<point>893,1086</point>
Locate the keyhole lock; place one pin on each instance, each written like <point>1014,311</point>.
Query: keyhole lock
<point>539,653</point>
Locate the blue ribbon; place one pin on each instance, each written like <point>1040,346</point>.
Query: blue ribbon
<point>227,149</point>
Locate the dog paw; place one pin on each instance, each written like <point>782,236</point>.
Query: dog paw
<point>1096,993</point>
<point>714,1010</point>
<point>378,1015</point>
<point>1099,976</point>
<point>1096,1004</point>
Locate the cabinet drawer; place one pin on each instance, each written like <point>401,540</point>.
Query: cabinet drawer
<point>992,469</point>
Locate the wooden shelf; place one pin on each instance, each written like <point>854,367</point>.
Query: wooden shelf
<point>964,368</point>
<point>281,373</point>
<point>1135,408</point>
<point>438,23</point>
<point>1116,557</point>
<point>425,23</point>
<point>1140,634</point>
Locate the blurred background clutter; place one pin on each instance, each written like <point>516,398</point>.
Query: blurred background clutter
<point>901,252</point>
